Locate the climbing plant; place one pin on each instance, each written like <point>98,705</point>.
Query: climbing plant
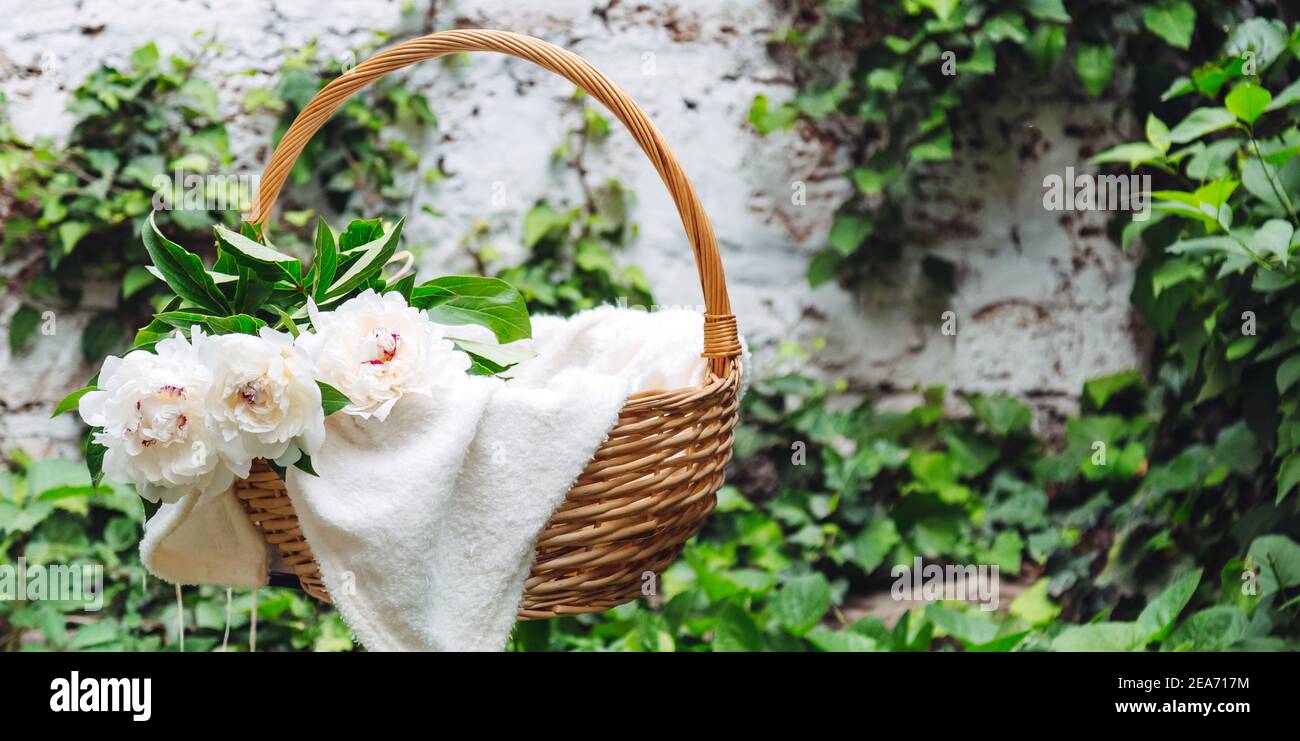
<point>71,211</point>
<point>363,159</point>
<point>569,262</point>
<point>892,80</point>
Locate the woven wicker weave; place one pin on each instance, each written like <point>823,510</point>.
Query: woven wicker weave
<point>650,485</point>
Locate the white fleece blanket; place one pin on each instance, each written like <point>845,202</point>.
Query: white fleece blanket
<point>424,524</point>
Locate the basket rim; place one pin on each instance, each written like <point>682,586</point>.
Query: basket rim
<point>713,383</point>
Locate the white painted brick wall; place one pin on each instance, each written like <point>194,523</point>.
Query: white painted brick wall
<point>1036,316</point>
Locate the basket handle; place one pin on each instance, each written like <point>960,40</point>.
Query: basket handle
<point>721,342</point>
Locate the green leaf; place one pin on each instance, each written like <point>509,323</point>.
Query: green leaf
<point>22,327</point>
<point>1100,637</point>
<point>1002,415</point>
<point>1048,10</point>
<point>1173,271</point>
<point>765,119</point>
<point>1158,617</point>
<point>1288,373</point>
<point>1272,186</point>
<point>1034,605</point>
<point>287,321</point>
<point>1179,87</point>
<point>331,399</point>
<point>972,628</point>
<point>736,631</point>
<point>1205,246</point>
<point>1045,47</point>
<point>1238,448</point>
<point>1248,101</point>
<point>1288,476</point>
<point>1288,96</point>
<point>326,261</point>
<point>71,401</point>
<point>145,58</point>
<point>849,231</point>
<point>70,233</point>
<point>936,149</point>
<point>235,324</point>
<point>263,260</point>
<point>540,221</point>
<point>1210,77</point>
<point>251,292</point>
<point>1240,347</point>
<point>821,100</point>
<point>136,279</point>
<point>104,335</point>
<point>871,182</point>
<point>304,464</point>
<point>1173,22</point>
<point>488,302</point>
<point>1200,122</point>
<point>1210,161</point>
<point>217,277</point>
<point>1273,238</point>
<point>1278,559</point>
<point>183,271</point>
<point>370,259</point>
<point>801,602</point>
<point>100,634</point>
<point>873,544</point>
<point>1004,552</point>
<point>824,267</point>
<point>841,641</point>
<point>1099,390</point>
<point>1266,37</point>
<point>1132,154</point>
<point>883,80</point>
<point>942,9</point>
<point>1157,133</point>
<point>1212,629</point>
<point>1093,65</point>
<point>94,453</point>
<point>500,355</point>
<point>360,233</point>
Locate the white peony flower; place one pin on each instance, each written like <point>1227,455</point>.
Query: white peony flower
<point>152,409</point>
<point>375,348</point>
<point>263,401</point>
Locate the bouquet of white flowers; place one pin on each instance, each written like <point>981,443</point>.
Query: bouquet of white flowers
<point>253,353</point>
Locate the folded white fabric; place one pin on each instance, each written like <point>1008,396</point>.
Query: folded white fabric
<point>204,540</point>
<point>424,524</point>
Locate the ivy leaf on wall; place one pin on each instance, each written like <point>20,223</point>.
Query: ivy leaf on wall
<point>1094,65</point>
<point>1173,22</point>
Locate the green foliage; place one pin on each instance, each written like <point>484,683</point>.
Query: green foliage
<point>348,161</point>
<point>917,65</point>
<point>136,129</point>
<point>825,504</point>
<point>79,206</point>
<point>1217,282</point>
<point>49,514</point>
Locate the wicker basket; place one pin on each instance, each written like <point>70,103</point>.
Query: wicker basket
<point>650,485</point>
